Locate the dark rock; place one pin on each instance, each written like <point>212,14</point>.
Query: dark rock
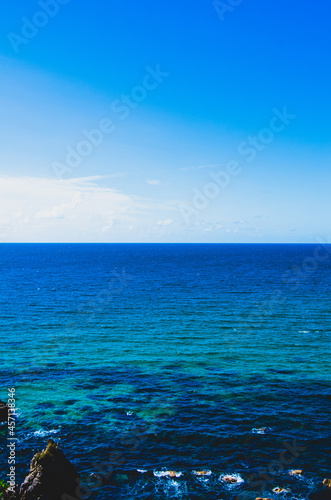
<point>263,498</point>
<point>324,491</point>
<point>10,495</point>
<point>3,412</point>
<point>51,476</point>
<point>319,495</point>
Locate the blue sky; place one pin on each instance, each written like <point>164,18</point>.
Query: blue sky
<point>185,88</point>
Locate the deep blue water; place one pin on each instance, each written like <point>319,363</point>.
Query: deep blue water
<point>170,358</point>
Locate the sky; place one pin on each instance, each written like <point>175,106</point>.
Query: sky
<point>190,121</point>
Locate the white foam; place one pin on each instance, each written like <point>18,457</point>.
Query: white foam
<point>43,433</point>
<point>167,473</point>
<point>237,479</point>
<point>173,489</point>
<point>260,430</point>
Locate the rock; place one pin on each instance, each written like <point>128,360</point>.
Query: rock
<point>280,490</point>
<point>51,476</point>
<point>8,492</point>
<point>261,498</point>
<point>324,492</point>
<point>173,473</point>
<point>232,479</point>
<point>10,495</point>
<point>326,487</point>
<point>296,472</point>
<point>3,412</point>
<point>167,473</point>
<point>202,472</point>
<point>229,479</point>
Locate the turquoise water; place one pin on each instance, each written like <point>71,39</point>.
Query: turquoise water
<point>170,358</point>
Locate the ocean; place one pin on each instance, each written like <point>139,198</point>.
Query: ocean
<point>160,369</point>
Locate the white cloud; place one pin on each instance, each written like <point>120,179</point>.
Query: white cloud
<point>153,182</point>
<point>60,211</point>
<point>164,222</point>
<point>36,209</point>
<point>90,210</point>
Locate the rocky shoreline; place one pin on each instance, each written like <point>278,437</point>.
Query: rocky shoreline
<point>4,410</point>
<point>53,477</point>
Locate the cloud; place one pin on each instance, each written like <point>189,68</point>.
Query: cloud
<point>117,174</point>
<point>164,222</point>
<point>59,212</point>
<point>38,209</point>
<point>153,182</point>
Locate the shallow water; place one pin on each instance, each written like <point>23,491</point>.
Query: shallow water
<point>172,358</point>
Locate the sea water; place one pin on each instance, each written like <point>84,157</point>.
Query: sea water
<point>161,368</point>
